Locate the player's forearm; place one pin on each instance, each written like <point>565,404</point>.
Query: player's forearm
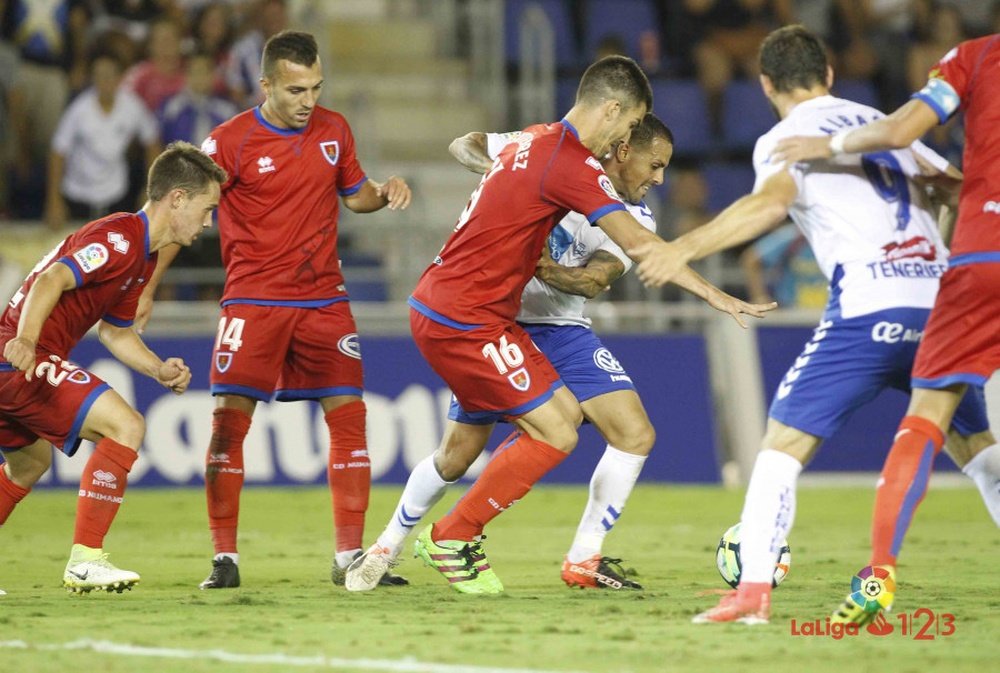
<point>38,304</point>
<point>367,199</point>
<point>743,221</point>
<point>128,348</point>
<point>164,258</point>
<point>897,131</point>
<point>691,281</point>
<point>470,150</point>
<point>578,280</point>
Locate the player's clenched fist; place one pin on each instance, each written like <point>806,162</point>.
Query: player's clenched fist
<point>174,374</point>
<point>396,193</point>
<point>20,352</point>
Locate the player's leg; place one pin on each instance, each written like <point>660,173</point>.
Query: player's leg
<point>22,468</point>
<point>461,444</point>
<point>621,419</point>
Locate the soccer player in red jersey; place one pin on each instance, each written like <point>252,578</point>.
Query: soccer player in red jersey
<point>94,276</point>
<point>961,345</point>
<point>286,329</point>
<point>464,306</point>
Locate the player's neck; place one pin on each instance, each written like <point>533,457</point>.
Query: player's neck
<point>784,103</point>
<point>589,128</point>
<point>159,224</point>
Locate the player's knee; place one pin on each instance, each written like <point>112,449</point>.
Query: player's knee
<point>128,428</point>
<point>637,440</point>
<point>562,437</point>
<point>451,465</point>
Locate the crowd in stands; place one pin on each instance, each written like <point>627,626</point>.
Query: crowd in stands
<point>90,90</point>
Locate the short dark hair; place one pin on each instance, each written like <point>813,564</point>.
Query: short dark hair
<point>650,128</point>
<point>615,77</point>
<point>288,45</point>
<point>793,58</point>
<point>182,166</point>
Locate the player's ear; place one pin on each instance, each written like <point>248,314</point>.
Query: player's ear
<point>829,76</point>
<point>177,197</point>
<point>612,108</point>
<point>621,152</point>
<point>767,85</point>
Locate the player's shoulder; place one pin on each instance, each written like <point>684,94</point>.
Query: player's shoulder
<point>236,125</point>
<point>325,119</point>
<point>115,234</point>
<point>643,214</point>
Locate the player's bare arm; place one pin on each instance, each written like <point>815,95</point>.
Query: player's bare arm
<point>588,281</point>
<point>38,304</point>
<point>471,151</point>
<point>693,282</point>
<point>657,260</point>
<point>744,220</point>
<point>898,130</point>
<point>126,345</point>
<point>144,311</point>
<point>372,196</point>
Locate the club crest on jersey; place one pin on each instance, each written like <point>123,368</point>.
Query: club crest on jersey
<point>331,151</point>
<point>222,362</point>
<point>605,182</point>
<point>349,346</point>
<point>91,258</point>
<point>520,379</point>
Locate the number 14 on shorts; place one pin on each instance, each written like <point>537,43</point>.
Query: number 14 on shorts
<point>230,333</point>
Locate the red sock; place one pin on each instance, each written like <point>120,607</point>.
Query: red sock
<point>507,478</point>
<point>349,473</point>
<point>102,488</point>
<point>902,485</point>
<point>224,476</point>
<point>10,495</point>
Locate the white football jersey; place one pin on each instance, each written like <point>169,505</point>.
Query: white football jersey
<point>572,243</point>
<point>872,230</point>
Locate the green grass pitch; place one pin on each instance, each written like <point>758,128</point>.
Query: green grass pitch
<point>288,609</point>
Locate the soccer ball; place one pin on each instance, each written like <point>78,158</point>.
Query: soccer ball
<point>873,588</point>
<point>727,559</point>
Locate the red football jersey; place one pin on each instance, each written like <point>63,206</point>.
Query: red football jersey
<point>972,71</point>
<point>480,273</point>
<point>111,261</point>
<point>278,212</point>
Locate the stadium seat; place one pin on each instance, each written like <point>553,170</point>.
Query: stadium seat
<point>727,182</point>
<point>626,19</point>
<point>857,90</point>
<point>681,106</point>
<point>562,28</point>
<point>746,114</point>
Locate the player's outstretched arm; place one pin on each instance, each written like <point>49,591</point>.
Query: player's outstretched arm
<point>744,220</point>
<point>126,345</point>
<point>602,269</point>
<point>45,292</point>
<point>372,196</point>
<point>471,150</point>
<point>165,257</point>
<point>900,129</point>
<point>694,283</point>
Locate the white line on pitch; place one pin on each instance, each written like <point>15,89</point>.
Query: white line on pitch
<point>408,665</point>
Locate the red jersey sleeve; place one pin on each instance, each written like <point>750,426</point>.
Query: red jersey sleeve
<point>579,183</point>
<point>948,82</point>
<point>222,151</point>
<point>123,314</point>
<point>350,177</point>
<point>105,251</point>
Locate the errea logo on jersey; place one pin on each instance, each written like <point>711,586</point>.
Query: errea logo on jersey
<point>118,242</point>
<point>265,165</point>
<point>209,147</point>
<point>992,207</point>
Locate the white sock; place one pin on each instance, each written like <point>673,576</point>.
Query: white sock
<point>984,469</point>
<point>234,556</point>
<point>423,490</point>
<point>346,557</point>
<point>768,513</point>
<point>612,483</point>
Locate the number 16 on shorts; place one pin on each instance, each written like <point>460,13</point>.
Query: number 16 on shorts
<point>507,356</point>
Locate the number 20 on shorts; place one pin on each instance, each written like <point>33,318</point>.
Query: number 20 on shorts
<point>504,355</point>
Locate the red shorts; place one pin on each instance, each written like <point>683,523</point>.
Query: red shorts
<point>288,352</point>
<point>495,368</point>
<point>961,343</point>
<point>53,405</point>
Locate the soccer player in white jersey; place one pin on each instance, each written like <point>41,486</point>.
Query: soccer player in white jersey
<point>579,263</point>
<point>873,230</point>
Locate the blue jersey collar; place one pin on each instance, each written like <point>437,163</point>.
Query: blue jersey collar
<point>572,129</point>
<point>145,220</point>
<point>271,127</point>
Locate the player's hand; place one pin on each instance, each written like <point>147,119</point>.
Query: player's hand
<point>657,262</point>
<point>396,193</point>
<point>20,352</point>
<point>801,148</point>
<point>143,312</point>
<point>174,374</point>
<point>726,303</point>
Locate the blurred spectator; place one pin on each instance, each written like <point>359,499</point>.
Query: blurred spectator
<point>133,17</point>
<point>161,75</point>
<point>878,35</point>
<point>9,65</point>
<point>212,34</point>
<point>687,203</point>
<point>243,76</point>
<point>192,113</point>
<point>51,41</point>
<point>780,266</point>
<point>88,167</point>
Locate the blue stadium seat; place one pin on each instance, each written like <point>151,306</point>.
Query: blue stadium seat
<point>681,106</point>
<point>626,19</point>
<point>727,182</point>
<point>746,114</point>
<point>562,28</point>
<point>857,90</point>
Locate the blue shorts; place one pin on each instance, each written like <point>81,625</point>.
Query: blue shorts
<point>584,364</point>
<point>848,362</point>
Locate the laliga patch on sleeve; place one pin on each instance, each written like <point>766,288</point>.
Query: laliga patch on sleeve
<point>208,147</point>
<point>605,182</point>
<point>91,258</point>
